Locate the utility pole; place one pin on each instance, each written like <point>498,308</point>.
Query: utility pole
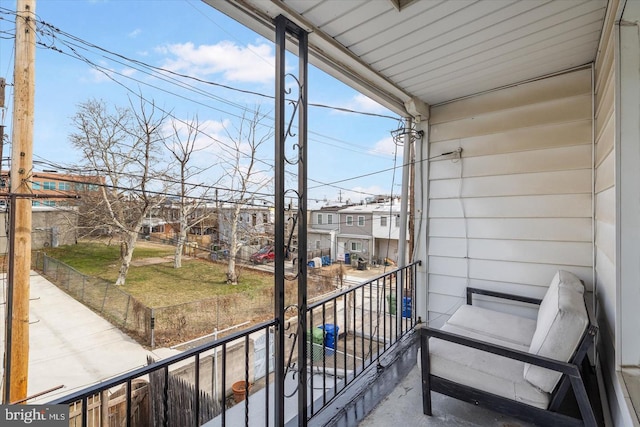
<point>17,324</point>
<point>2,86</point>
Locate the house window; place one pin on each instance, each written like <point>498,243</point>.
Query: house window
<point>317,244</point>
<point>48,203</point>
<point>319,219</point>
<point>383,221</point>
<point>35,203</point>
<point>93,187</point>
<point>349,220</point>
<point>329,219</point>
<point>356,246</point>
<point>360,221</point>
<point>254,219</point>
<point>49,185</point>
<point>397,220</point>
<point>36,186</point>
<point>65,186</point>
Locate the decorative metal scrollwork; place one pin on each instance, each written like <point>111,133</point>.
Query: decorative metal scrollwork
<point>293,366</point>
<point>296,104</point>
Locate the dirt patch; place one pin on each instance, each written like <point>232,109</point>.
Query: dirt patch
<point>150,261</point>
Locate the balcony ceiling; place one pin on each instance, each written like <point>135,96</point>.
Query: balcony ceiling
<point>435,51</point>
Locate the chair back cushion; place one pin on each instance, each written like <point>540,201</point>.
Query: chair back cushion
<point>562,321</point>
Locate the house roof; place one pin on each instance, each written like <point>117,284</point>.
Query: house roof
<point>372,208</point>
<point>401,53</point>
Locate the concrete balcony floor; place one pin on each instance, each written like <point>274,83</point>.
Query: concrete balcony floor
<point>403,408</point>
<point>391,395</point>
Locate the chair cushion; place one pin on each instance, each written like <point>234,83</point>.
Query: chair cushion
<point>562,320</point>
<point>494,324</point>
<point>485,371</point>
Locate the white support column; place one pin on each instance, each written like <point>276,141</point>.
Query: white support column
<point>627,190</point>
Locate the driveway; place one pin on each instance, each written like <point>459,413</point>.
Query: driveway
<point>72,346</point>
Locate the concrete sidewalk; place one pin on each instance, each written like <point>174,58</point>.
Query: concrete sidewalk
<point>72,346</point>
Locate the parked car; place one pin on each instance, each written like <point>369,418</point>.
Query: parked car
<point>264,255</point>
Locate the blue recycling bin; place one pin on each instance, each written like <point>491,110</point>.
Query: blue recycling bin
<point>406,307</point>
<point>330,337</point>
<point>347,259</point>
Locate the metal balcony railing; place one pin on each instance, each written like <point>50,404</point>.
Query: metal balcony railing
<point>230,381</point>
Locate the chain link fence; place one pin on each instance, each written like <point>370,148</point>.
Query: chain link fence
<point>166,326</point>
<point>101,296</point>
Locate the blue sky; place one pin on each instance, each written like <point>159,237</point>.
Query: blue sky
<point>189,37</point>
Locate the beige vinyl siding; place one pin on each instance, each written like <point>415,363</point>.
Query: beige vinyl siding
<point>552,206</point>
<point>557,111</point>
<point>549,160</point>
<point>518,205</point>
<point>547,136</point>
<point>563,229</point>
<point>605,174</point>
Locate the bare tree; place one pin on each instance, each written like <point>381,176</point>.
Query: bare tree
<point>192,208</point>
<point>121,145</point>
<point>245,177</point>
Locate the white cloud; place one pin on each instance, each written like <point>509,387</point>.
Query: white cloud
<point>209,135</point>
<point>386,147</point>
<point>362,103</point>
<point>100,76</point>
<point>135,33</point>
<point>106,74</point>
<point>128,72</point>
<point>251,63</point>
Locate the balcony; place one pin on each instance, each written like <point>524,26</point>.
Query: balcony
<point>360,370</point>
<point>356,338</point>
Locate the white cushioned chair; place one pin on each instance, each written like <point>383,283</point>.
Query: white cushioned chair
<point>516,365</point>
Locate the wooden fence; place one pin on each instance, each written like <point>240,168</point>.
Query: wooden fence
<point>173,404</point>
<point>104,410</point>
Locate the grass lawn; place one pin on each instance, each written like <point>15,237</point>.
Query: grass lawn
<point>160,285</point>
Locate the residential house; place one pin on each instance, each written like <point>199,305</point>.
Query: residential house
<point>51,227</point>
<point>355,241</point>
<point>524,121</point>
<point>165,219</point>
<point>255,225</point>
<point>323,230</point>
<point>54,206</point>
<point>386,231</point>
<point>56,189</point>
<point>542,99</point>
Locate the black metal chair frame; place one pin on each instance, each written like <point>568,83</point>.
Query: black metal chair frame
<point>573,375</point>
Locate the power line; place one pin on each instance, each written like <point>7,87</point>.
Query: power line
<point>200,80</point>
<point>108,73</point>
